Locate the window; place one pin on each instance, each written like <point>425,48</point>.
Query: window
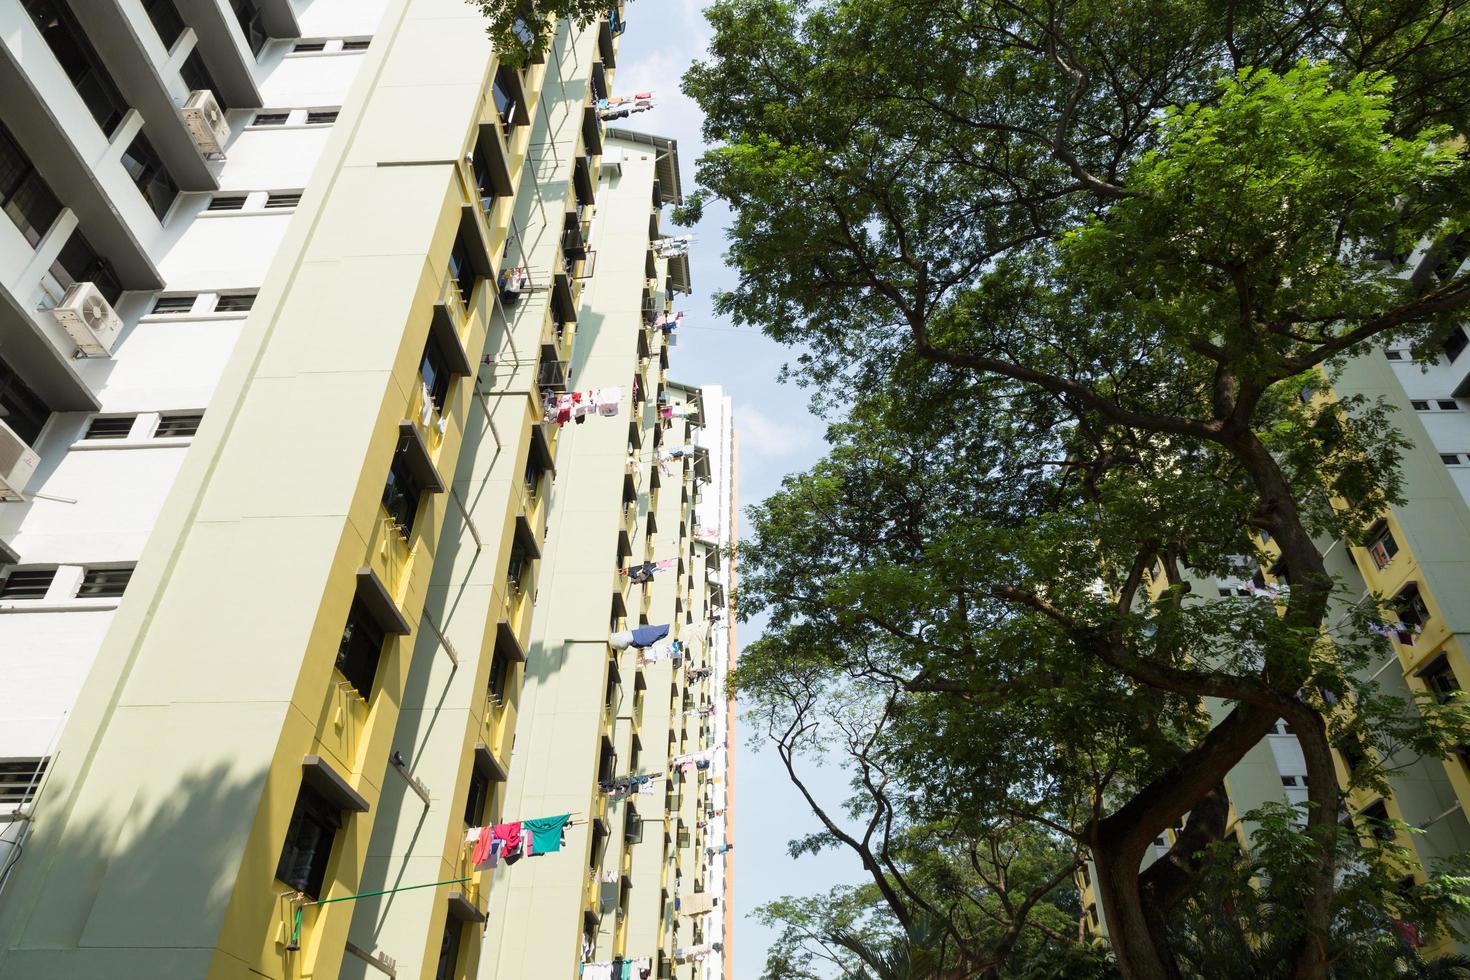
<point>461,270</point>
<point>166,20</point>
<point>1435,405</point>
<point>19,779</point>
<point>1411,608</point>
<point>499,676</point>
<point>1381,544</point>
<point>1419,406</point>
<point>319,116</point>
<point>515,569</point>
<point>309,839</point>
<point>104,583</point>
<point>360,649</point>
<point>247,15</point>
<point>234,302</point>
<point>1395,355</point>
<point>1440,678</point>
<point>174,304</point>
<point>482,179</point>
<point>356,45</point>
<point>270,118</point>
<point>79,262</point>
<point>180,425</point>
<point>20,407</point>
<point>449,949</point>
<point>533,477</point>
<point>1447,405</point>
<point>1288,780</point>
<point>27,583</point>
<point>479,795</point>
<point>401,494</point>
<point>1450,459</point>
<point>150,176</point>
<point>302,46</point>
<point>1375,820</point>
<point>226,202</point>
<point>25,197</point>
<point>505,102</point>
<point>79,60</point>
<point>434,370</point>
<point>1455,343</point>
<point>110,427</point>
<point>197,77</point>
<point>285,199</point>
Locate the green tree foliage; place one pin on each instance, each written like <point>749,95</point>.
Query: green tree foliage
<point>1089,267</point>
<point>522,30</point>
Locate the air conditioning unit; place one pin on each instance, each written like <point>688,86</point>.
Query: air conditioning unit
<point>206,122</point>
<point>17,463</point>
<point>88,319</point>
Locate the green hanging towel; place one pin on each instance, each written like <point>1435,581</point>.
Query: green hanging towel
<point>545,833</point>
<point>627,970</point>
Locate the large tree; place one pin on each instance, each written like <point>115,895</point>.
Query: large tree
<point>1126,244</point>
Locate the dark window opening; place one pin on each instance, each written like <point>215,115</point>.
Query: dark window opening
<point>356,45</point>
<point>479,795</point>
<point>319,116</point>
<point>360,649</point>
<point>271,118</point>
<point>19,780</point>
<point>74,52</point>
<point>1447,405</point>
<point>499,676</point>
<point>288,199</point>
<point>505,102</point>
<point>150,176</point>
<point>310,46</point>
<point>401,494</point>
<point>198,78</point>
<point>247,15</point>
<point>434,370</point>
<point>27,583</point>
<point>110,427</point>
<point>1353,753</point>
<point>1419,406</point>
<point>226,202</point>
<point>79,262</point>
<point>308,846</point>
<point>462,271</point>
<point>25,197</point>
<point>179,426</point>
<point>104,583</point>
<point>482,179</point>
<point>166,20</point>
<point>1411,608</point>
<point>1455,343</point>
<point>534,473</point>
<point>20,407</point>
<point>1440,678</point>
<point>515,568</point>
<point>234,302</point>
<point>1375,821</point>
<point>174,304</point>
<point>449,949</point>
<point>1381,544</point>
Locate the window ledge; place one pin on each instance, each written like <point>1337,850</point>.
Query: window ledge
<point>178,317</point>
<point>92,445</point>
<point>279,126</point>
<point>235,213</point>
<point>71,605</point>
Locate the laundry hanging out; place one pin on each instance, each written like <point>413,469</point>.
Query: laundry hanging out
<point>639,969</point>
<point>642,636</point>
<point>516,839</point>
<point>576,406</point>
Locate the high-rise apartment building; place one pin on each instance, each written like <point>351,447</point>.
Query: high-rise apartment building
<point>1418,558</point>
<point>629,737</point>
<point>286,287</point>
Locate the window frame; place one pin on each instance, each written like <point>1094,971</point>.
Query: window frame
<point>360,649</point>
<point>150,175</point>
<point>327,820</point>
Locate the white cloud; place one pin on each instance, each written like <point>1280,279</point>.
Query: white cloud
<point>761,435</point>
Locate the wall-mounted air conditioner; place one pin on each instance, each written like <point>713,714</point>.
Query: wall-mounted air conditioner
<point>17,463</point>
<point>206,122</point>
<point>88,319</point>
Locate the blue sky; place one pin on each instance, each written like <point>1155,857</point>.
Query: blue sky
<point>778,435</point>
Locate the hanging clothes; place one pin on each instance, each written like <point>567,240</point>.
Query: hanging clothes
<point>609,400</point>
<point>545,833</point>
<point>647,636</point>
<point>511,837</point>
<point>621,640</point>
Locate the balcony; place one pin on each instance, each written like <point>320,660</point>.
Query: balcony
<point>552,374</point>
<point>592,131</point>
<point>584,179</point>
<point>605,34</point>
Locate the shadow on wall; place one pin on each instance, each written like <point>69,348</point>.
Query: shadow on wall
<point>153,878</point>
